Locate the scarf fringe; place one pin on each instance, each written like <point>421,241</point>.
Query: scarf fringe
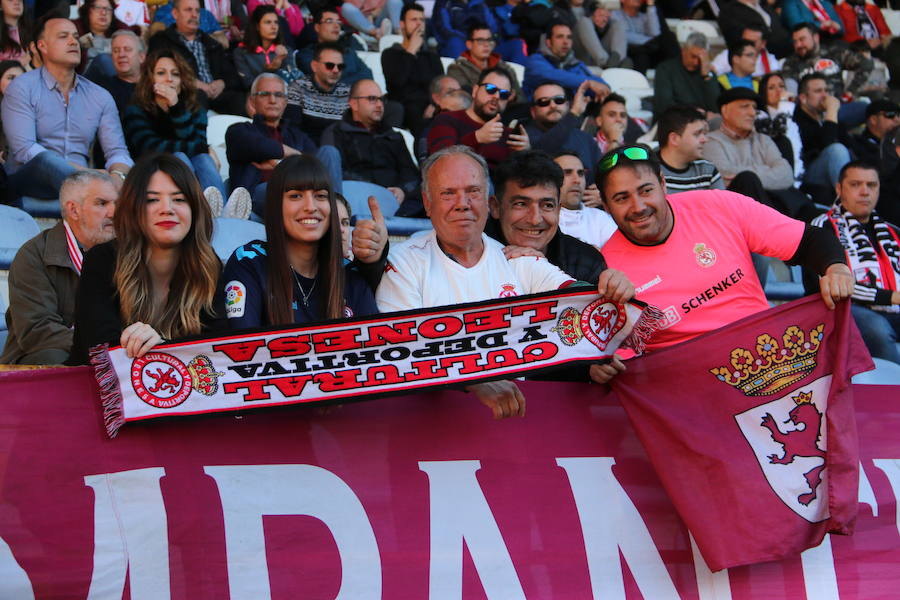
<point>651,320</point>
<point>110,392</point>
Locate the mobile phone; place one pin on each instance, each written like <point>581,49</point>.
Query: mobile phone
<point>514,123</point>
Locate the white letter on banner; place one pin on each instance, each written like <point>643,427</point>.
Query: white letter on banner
<point>460,513</point>
<point>818,571</point>
<point>249,492</point>
<point>130,534</point>
<point>891,468</point>
<point>14,581</point>
<point>710,586</point>
<point>609,522</point>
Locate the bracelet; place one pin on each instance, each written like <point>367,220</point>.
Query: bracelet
<point>119,173</point>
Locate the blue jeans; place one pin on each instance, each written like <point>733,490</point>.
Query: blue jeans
<point>204,167</point>
<point>879,331</point>
<point>330,158</point>
<point>41,177</point>
<point>826,168</point>
<point>358,20</point>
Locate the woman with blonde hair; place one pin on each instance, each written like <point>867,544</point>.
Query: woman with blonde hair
<point>165,116</point>
<point>158,278</point>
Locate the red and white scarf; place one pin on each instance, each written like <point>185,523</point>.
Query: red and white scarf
<point>74,249</point>
<point>874,266</point>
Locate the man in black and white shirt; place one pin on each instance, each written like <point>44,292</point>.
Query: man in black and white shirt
<point>682,134</point>
<point>319,101</point>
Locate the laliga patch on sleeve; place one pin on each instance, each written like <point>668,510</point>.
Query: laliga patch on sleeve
<point>235,297</point>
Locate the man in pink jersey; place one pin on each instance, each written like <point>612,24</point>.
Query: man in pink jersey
<point>689,254</point>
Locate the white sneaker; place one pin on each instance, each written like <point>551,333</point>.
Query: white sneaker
<point>239,204</point>
<point>214,197</point>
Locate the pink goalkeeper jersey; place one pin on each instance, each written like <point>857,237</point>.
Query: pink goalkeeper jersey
<point>702,276</point>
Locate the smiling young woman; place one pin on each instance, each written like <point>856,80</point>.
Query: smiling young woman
<point>158,279</point>
<point>298,275</point>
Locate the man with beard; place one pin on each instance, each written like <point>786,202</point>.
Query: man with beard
<point>683,132</point>
<point>556,122</point>
<point>44,275</point>
<point>327,24</point>
<point>479,126</point>
<point>556,62</point>
<point>580,213</point>
<point>817,118</point>
<point>831,62</point>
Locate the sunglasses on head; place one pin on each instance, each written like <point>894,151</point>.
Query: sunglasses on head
<point>492,89</point>
<point>545,102</point>
<point>332,66</point>
<point>631,153</point>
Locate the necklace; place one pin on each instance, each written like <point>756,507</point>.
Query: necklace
<point>306,295</point>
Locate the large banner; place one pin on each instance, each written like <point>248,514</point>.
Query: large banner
<point>413,497</point>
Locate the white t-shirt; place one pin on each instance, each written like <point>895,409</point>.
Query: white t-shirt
<point>590,225</point>
<point>419,275</point>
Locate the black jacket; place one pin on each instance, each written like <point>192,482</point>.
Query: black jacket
<point>408,79</point>
<point>379,156</point>
<point>220,64</point>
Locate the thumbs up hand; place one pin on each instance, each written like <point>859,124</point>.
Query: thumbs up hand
<point>370,235</point>
<point>490,132</point>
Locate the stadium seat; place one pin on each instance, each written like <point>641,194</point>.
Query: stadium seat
<point>387,41</point>
<point>18,228</point>
<point>215,137</point>
<point>228,234</point>
<point>778,289</point>
<point>373,61</point>
<point>518,70</point>
<point>446,61</point>
<point>357,194</point>
<point>710,29</point>
<point>634,87</point>
<point>892,19</point>
<point>885,373</point>
<point>38,208</point>
<point>410,143</point>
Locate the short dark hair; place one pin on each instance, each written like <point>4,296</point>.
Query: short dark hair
<point>554,24</point>
<point>411,6</point>
<point>317,16</point>
<point>651,163</point>
<point>857,164</point>
<point>737,48</point>
<point>476,26</point>
<point>493,70</point>
<point>675,119</point>
<point>802,26</point>
<point>528,168</point>
<point>754,27</point>
<point>41,25</point>
<point>614,97</point>
<point>323,46</point>
<point>804,81</point>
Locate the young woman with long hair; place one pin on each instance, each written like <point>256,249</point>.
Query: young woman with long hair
<point>158,279</point>
<point>297,275</point>
<point>15,31</point>
<point>264,49</point>
<point>165,116</point>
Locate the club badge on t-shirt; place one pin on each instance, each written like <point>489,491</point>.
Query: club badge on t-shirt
<point>706,257</point>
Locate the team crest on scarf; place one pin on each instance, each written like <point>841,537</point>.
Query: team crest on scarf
<point>163,381</point>
<point>599,322</point>
<point>787,435</point>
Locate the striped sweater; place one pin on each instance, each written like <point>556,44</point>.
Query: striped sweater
<point>179,130</point>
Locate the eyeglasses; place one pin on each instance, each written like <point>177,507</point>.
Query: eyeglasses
<point>487,40</point>
<point>545,102</point>
<point>278,95</point>
<point>492,89</point>
<point>103,10</point>
<point>329,21</point>
<point>372,99</point>
<point>889,114</point>
<point>332,66</point>
<point>630,152</point>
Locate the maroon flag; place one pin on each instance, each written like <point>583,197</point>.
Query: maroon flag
<point>753,434</point>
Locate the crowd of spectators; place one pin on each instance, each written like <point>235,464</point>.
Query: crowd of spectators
<point>520,138</point>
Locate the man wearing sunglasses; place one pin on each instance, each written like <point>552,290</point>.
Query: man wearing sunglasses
<point>556,62</point>
<point>479,127</point>
<point>319,100</point>
<point>327,24</point>
<point>689,253</point>
<point>882,117</point>
<point>556,122</point>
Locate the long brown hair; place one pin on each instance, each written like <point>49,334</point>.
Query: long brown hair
<point>195,280</point>
<point>143,91</point>
<point>301,172</point>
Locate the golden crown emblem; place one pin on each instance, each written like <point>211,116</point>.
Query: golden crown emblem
<point>774,366</point>
<point>204,376</point>
<point>568,327</point>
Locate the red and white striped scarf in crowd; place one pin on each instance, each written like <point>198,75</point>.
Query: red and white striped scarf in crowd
<point>75,252</point>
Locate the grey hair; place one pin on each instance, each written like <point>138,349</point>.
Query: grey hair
<point>451,151</point>
<point>73,186</point>
<point>437,86</point>
<point>697,40</point>
<point>132,35</point>
<point>262,76</point>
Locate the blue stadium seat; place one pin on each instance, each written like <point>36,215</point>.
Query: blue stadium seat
<point>37,207</point>
<point>357,194</point>
<point>18,228</point>
<point>885,373</point>
<point>228,234</point>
